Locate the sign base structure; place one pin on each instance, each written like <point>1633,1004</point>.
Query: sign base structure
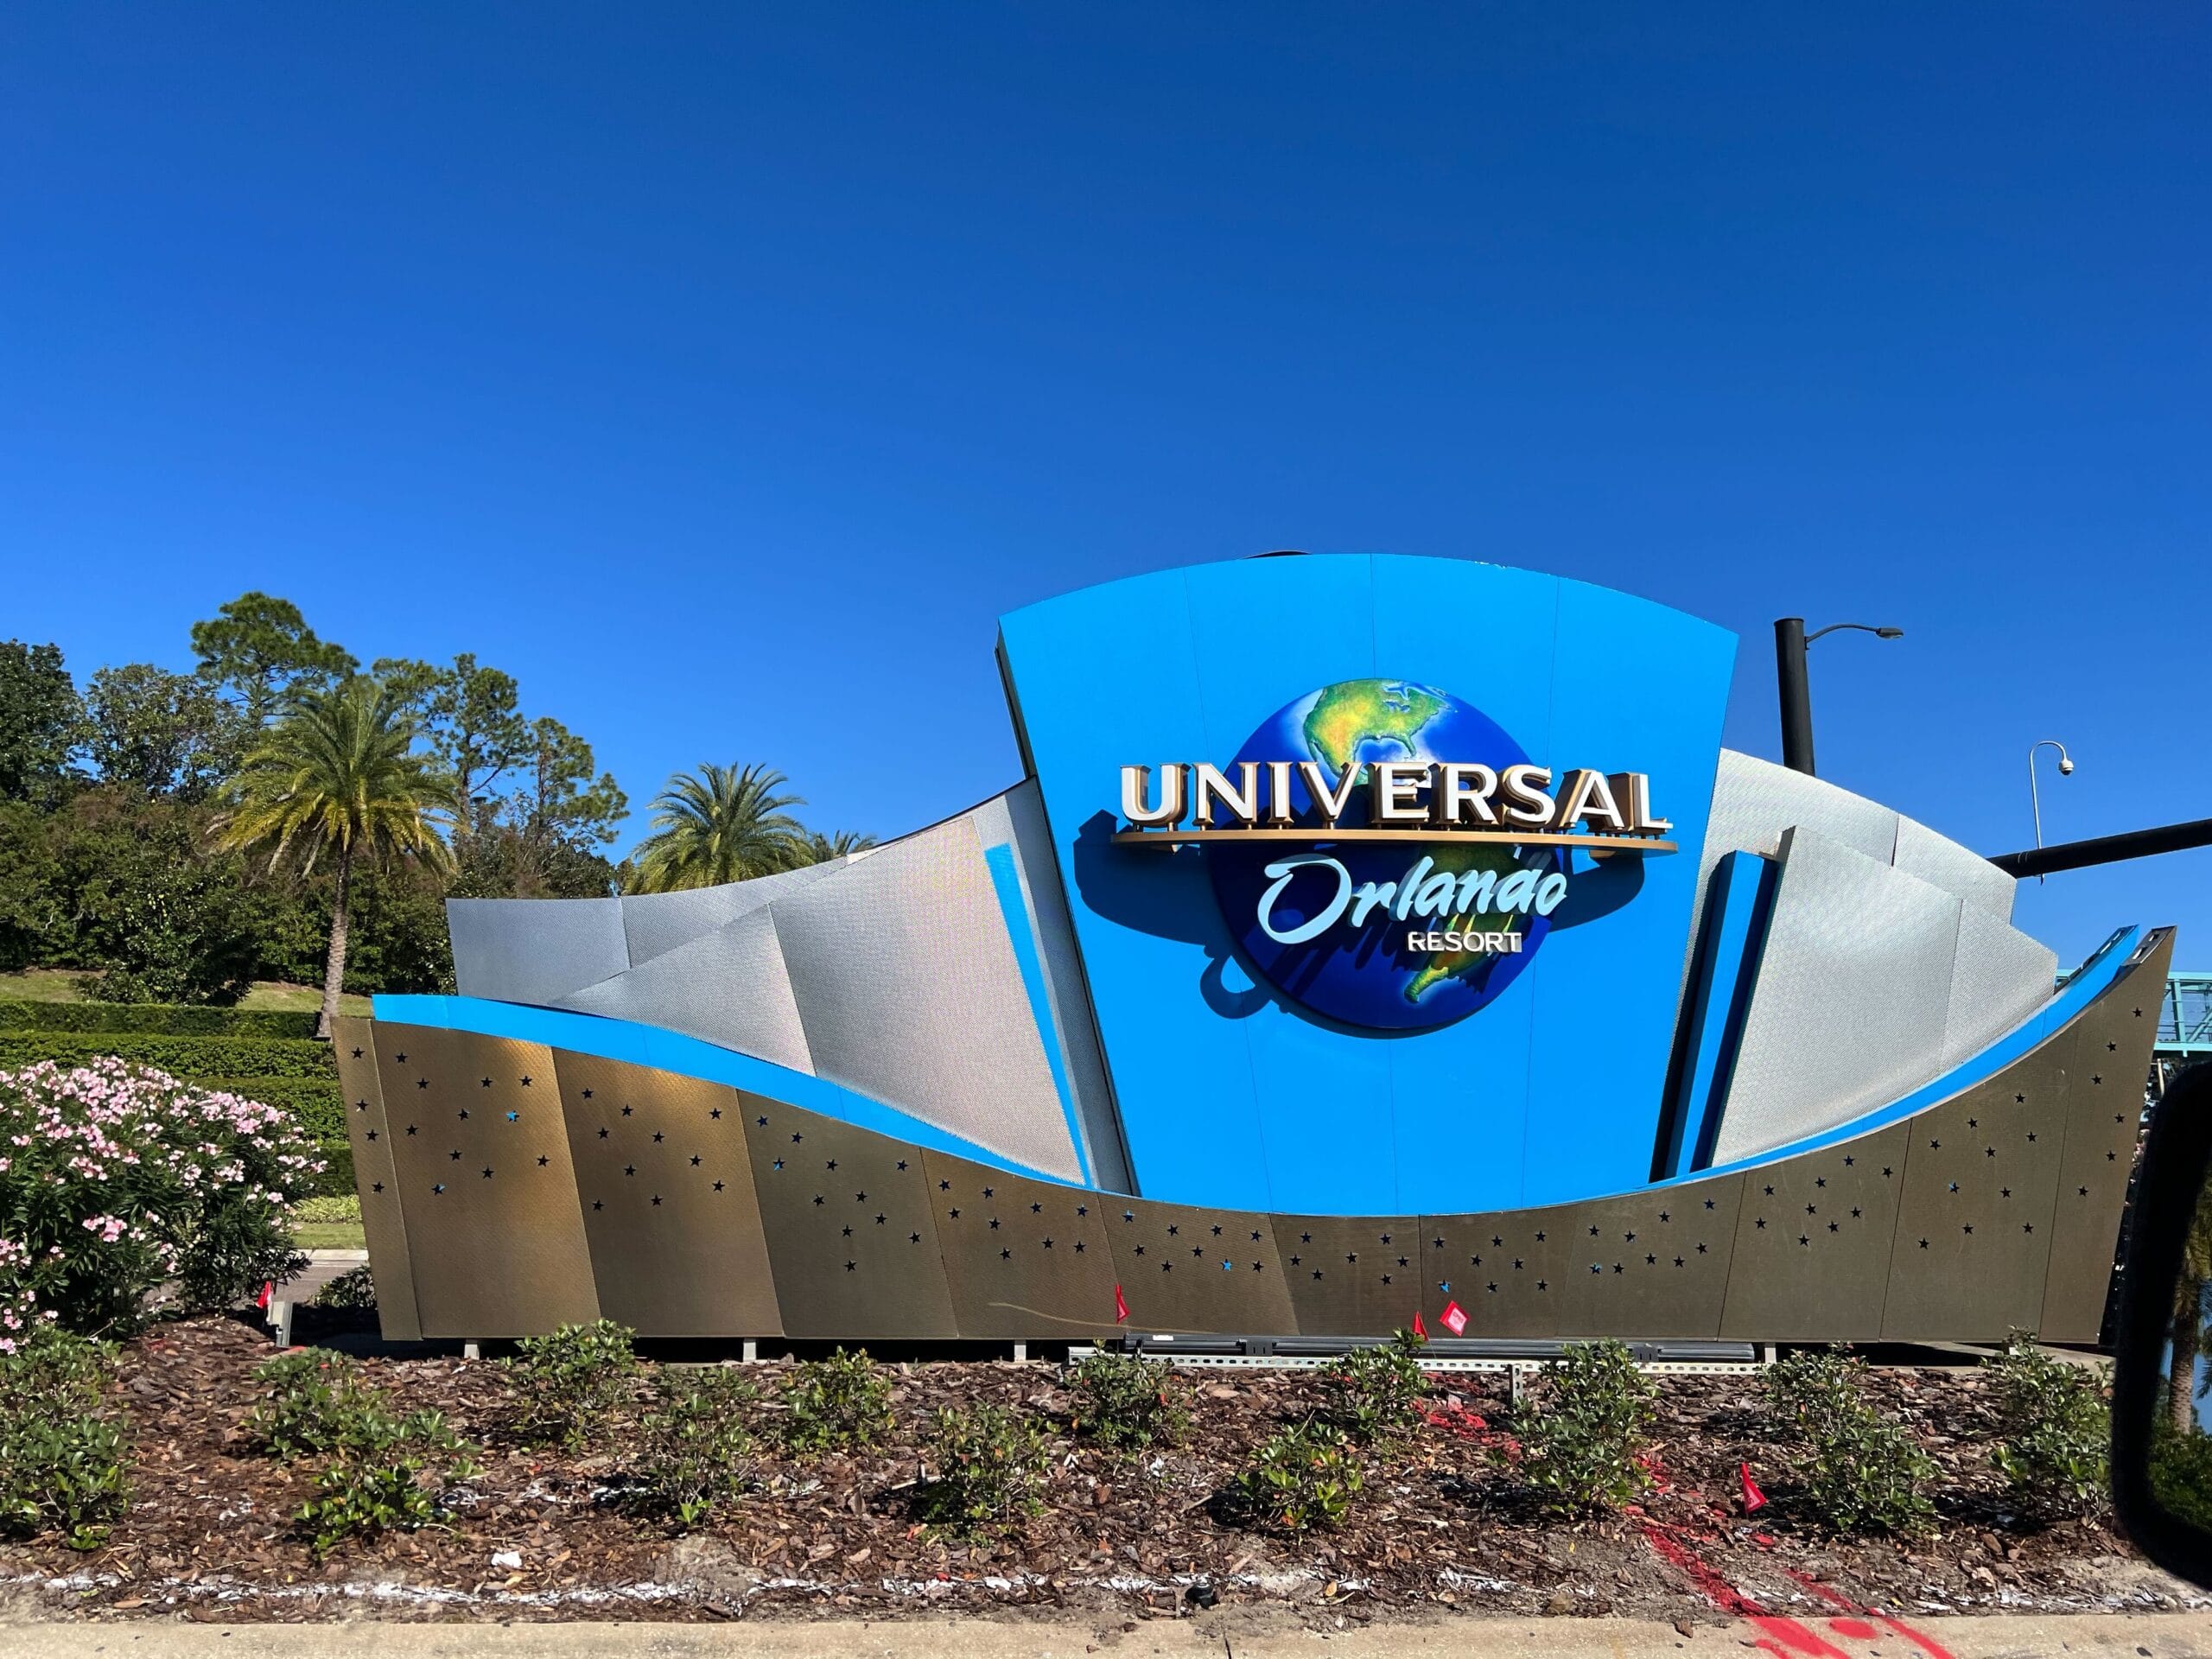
<point>1372,940</point>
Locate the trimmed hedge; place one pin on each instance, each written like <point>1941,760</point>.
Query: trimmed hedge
<point>157,1019</point>
<point>190,1058</point>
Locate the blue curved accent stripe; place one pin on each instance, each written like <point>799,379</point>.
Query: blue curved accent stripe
<point>2092,981</point>
<point>1014,910</point>
<point>669,1050</point>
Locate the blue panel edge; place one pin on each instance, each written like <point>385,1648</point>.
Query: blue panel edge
<point>2092,979</point>
<point>669,1050</point>
<point>1740,899</point>
<point>1014,910</point>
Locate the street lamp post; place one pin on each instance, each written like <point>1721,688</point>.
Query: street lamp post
<point>1795,688</point>
<point>2035,795</point>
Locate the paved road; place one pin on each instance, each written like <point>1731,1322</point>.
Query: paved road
<point>2104,1635</point>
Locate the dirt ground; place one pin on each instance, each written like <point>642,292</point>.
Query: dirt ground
<point>1441,1532</point>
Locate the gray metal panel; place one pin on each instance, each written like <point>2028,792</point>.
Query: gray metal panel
<point>383,1226</point>
<point>1022,1258</point>
<point>1942,862</point>
<point>1812,1248</point>
<point>1171,1290</point>
<point>728,988</point>
<point>1078,1031</point>
<point>1504,1268</point>
<point>1650,1264</point>
<point>1848,1009</point>
<point>534,950</point>
<point>907,987</point>
<point>1353,1275</point>
<point>656,923</point>
<point>1998,978</point>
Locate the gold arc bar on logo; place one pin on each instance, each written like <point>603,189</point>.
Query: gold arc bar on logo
<point>1596,846</point>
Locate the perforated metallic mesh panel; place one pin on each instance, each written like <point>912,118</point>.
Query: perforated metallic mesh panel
<point>1848,1009</point>
<point>656,923</point>
<point>1022,1258</point>
<point>1942,862</point>
<point>1169,1289</point>
<point>1812,1250</point>
<point>480,1160</point>
<point>2109,1057</point>
<point>907,987</point>
<point>850,1234</point>
<point>730,988</point>
<point>534,950</point>
<point>666,1193</point>
<point>353,1041</point>
<point>1350,1275</point>
<point>1999,978</point>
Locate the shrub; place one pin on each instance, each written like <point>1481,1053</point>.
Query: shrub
<point>1302,1476</point>
<point>2180,1472</point>
<point>317,1403</point>
<point>157,1019</point>
<point>842,1401</point>
<point>184,1057</point>
<point>355,1288</point>
<point>391,1475</point>
<point>569,1379</point>
<point>989,1463</point>
<point>1582,1448</point>
<point>1370,1391</point>
<point>2055,1430</point>
<point>62,1459</point>
<point>1125,1401</point>
<point>1860,1472</point>
<point>695,1444</point>
<point>114,1178</point>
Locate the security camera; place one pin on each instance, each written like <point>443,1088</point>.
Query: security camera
<point>2065,769</point>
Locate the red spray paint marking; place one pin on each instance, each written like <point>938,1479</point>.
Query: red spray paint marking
<point>1857,1627</point>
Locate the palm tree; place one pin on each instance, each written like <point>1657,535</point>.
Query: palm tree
<point>2187,1335</point>
<point>338,778</point>
<point>718,825</point>
<point>821,848</point>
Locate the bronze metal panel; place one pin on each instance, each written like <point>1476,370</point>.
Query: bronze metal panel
<point>1973,1223</point>
<point>1812,1252</point>
<point>2111,1059</point>
<point>1651,1264</point>
<point>1504,1268</point>
<point>481,1163</point>
<point>1168,1258</point>
<point>1350,1275</point>
<point>847,1214</point>
<point>1022,1258</point>
<point>669,1210</point>
<point>353,1041</point>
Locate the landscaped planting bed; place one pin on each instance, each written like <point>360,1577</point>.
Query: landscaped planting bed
<point>562,1499</point>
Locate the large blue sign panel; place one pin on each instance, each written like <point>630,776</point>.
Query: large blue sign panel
<point>1412,936</point>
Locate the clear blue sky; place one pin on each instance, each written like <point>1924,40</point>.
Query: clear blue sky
<point>724,371</point>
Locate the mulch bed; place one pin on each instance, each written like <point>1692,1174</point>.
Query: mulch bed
<point>1438,1528</point>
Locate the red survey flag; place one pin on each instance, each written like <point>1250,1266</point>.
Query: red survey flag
<point>1754,1499</point>
<point>1120,1307</point>
<point>1454,1317</point>
<point>267,1286</point>
<point>1419,1330</point>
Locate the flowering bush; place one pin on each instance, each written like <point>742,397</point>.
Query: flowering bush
<point>114,1178</point>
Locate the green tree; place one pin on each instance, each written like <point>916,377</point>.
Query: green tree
<point>560,810</point>
<point>338,778</point>
<point>261,651</point>
<point>41,721</point>
<point>157,916</point>
<point>157,732</point>
<point>719,824</point>
<point>472,717</point>
<point>821,848</point>
<point>34,918</point>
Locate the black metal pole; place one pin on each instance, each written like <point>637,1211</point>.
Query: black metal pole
<point>2106,850</point>
<point>1796,693</point>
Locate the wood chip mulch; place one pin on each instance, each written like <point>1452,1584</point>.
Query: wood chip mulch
<point>1440,1528</point>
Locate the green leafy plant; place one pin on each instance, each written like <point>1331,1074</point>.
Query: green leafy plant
<point>1123,1401</point>
<point>694,1446</point>
<point>390,1474</point>
<point>569,1379</point>
<point>317,1402</point>
<point>1860,1472</point>
<point>1370,1392</point>
<point>1302,1476</point>
<point>842,1401</point>
<point>1581,1445</point>
<point>63,1463</point>
<point>989,1463</point>
<point>2056,1429</point>
<point>355,1288</point>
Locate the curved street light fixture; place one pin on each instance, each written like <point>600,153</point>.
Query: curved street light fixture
<point>2035,795</point>
<point>1795,688</point>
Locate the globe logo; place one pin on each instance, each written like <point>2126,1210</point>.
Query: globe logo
<point>1370,974</point>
